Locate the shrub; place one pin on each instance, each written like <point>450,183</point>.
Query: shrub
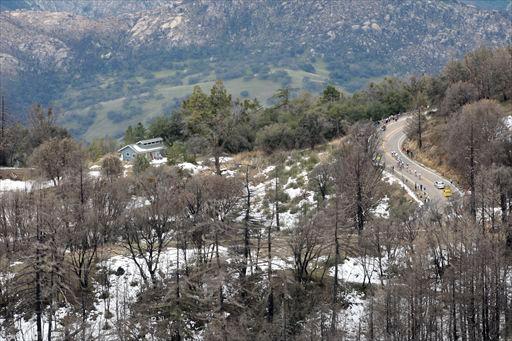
<point>307,67</point>
<point>140,164</point>
<point>275,136</point>
<point>111,166</point>
<point>177,152</point>
<point>115,116</point>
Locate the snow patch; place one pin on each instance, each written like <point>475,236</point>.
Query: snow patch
<point>159,162</point>
<point>268,170</point>
<point>360,270</point>
<point>95,173</point>
<point>382,209</point>
<point>352,318</point>
<point>508,121</point>
<point>293,192</point>
<point>194,169</point>
<point>7,185</point>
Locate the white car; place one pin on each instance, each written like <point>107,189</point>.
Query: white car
<point>439,184</point>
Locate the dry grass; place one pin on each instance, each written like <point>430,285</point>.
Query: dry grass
<point>432,154</point>
<point>16,173</point>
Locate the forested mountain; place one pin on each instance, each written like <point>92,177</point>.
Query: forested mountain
<point>498,5</point>
<point>141,58</point>
<point>90,8</point>
<point>106,8</point>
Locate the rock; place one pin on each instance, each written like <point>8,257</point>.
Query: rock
<point>120,271</point>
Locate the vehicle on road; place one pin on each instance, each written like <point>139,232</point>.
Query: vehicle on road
<point>447,192</point>
<point>439,184</point>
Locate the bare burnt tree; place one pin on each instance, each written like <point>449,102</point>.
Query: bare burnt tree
<point>83,231</point>
<point>111,167</point>
<point>39,283</point>
<point>109,200</point>
<point>419,102</point>
<point>195,197</point>
<point>16,213</point>
<point>55,157</point>
<point>471,141</point>
<point>448,283</point>
<point>43,126</point>
<point>150,225</point>
<point>224,195</point>
<point>307,245</point>
<point>416,127</point>
<point>359,172</point>
<point>14,230</point>
<point>321,180</point>
<point>251,224</point>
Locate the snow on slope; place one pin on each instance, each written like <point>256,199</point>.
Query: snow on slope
<point>508,121</point>
<point>112,301</point>
<point>7,185</point>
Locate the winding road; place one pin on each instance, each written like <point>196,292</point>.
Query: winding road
<point>412,173</point>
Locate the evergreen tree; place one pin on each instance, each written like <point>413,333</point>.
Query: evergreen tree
<point>139,132</point>
<point>330,94</point>
<point>129,136</point>
<point>140,164</point>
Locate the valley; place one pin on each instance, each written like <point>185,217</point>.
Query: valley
<point>152,94</point>
<point>254,49</point>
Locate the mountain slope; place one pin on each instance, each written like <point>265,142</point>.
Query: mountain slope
<point>89,8</point>
<point>197,41</point>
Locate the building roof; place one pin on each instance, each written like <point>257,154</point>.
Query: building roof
<point>144,149</point>
<point>150,141</point>
<point>146,146</point>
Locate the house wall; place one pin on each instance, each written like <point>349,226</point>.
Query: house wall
<point>155,155</point>
<point>128,154</point>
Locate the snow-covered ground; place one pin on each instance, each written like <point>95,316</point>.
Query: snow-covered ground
<point>360,270</point>
<point>19,185</point>
<point>95,173</point>
<point>14,185</point>
<point>124,280</point>
<point>112,302</point>
<point>124,284</point>
<point>351,319</point>
<point>192,168</point>
<point>382,209</point>
<point>508,121</point>
<point>159,162</point>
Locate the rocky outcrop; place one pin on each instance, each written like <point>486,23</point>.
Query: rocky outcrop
<point>89,8</point>
<point>408,34</point>
<point>424,34</point>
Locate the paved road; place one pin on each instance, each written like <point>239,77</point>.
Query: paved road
<point>414,173</point>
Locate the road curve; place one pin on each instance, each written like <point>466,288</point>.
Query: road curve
<point>412,173</point>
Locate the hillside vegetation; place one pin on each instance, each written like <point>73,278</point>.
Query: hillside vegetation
<point>106,106</point>
<point>481,75</point>
<point>90,57</point>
